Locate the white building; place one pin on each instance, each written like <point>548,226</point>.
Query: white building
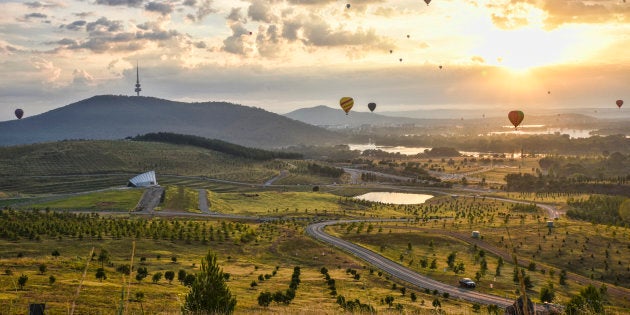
<point>143,180</point>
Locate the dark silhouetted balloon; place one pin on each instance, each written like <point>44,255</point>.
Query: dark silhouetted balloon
<point>346,103</point>
<point>250,33</point>
<point>440,67</point>
<point>400,59</point>
<point>619,103</point>
<point>548,92</point>
<point>391,51</point>
<point>516,117</point>
<point>19,113</point>
<point>348,6</point>
<point>372,106</point>
<point>408,36</point>
<point>427,1</point>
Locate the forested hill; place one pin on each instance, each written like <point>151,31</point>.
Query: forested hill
<point>117,117</point>
<point>216,145</point>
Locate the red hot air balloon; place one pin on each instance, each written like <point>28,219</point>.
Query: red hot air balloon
<point>619,103</point>
<point>372,106</point>
<point>516,117</point>
<point>19,113</point>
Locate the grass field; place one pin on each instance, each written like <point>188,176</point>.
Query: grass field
<point>276,245</point>
<point>180,198</point>
<point>123,200</point>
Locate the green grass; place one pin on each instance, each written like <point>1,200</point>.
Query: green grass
<point>180,198</point>
<point>106,200</point>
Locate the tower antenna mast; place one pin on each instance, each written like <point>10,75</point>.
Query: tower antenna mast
<point>138,89</point>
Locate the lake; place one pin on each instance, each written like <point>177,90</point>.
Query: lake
<point>395,198</point>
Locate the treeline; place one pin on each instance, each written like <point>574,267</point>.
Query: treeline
<point>598,209</point>
<point>531,144</point>
<point>320,170</point>
<point>609,167</point>
<point>547,183</point>
<point>216,145</point>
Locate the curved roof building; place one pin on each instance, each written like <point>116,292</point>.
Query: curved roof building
<point>143,180</point>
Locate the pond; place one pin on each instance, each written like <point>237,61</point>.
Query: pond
<point>395,198</point>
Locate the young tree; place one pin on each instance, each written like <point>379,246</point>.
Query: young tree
<point>22,281</point>
<point>100,274</point>
<point>209,292</point>
<point>265,298</point>
<point>181,276</point>
<point>51,280</point>
<point>169,276</point>
<point>156,277</point>
<point>547,294</point>
<point>103,257</point>
<point>42,269</point>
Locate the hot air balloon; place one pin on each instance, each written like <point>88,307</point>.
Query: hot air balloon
<point>400,59</point>
<point>619,103</point>
<point>408,36</point>
<point>391,51</point>
<point>427,2</point>
<point>348,6</point>
<point>372,106</point>
<point>346,103</point>
<point>516,117</point>
<point>440,67</point>
<point>19,113</point>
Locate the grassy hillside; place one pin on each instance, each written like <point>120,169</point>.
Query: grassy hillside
<point>117,117</point>
<point>71,166</point>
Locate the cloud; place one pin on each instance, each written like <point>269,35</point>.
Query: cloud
<point>129,3</point>
<point>104,25</point>
<point>204,9</point>
<point>83,14</point>
<point>159,7</point>
<point>50,73</point>
<point>35,16</point>
<point>235,16</point>
<point>75,26</point>
<point>260,10</point>
<point>234,43</point>
<point>81,77</point>
<point>318,33</point>
<point>40,5</point>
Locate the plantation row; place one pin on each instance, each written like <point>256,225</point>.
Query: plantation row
<point>34,225</point>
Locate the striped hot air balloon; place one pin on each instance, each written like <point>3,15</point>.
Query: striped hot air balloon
<point>346,103</point>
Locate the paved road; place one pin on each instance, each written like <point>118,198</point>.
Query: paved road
<point>403,273</point>
<point>203,201</point>
<point>150,199</point>
<point>283,174</point>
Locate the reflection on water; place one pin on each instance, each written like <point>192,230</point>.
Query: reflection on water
<point>540,130</point>
<point>395,198</point>
<point>389,149</point>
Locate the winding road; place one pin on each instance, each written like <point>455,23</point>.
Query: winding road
<point>316,230</point>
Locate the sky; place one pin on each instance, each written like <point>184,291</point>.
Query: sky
<point>282,55</point>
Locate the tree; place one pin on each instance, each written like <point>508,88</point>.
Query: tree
<point>55,253</point>
<point>156,277</point>
<point>42,269</point>
<point>563,277</point>
<point>100,274</point>
<point>189,280</point>
<point>589,299</point>
<point>413,296</point>
<point>436,303</point>
<point>51,280</point>
<point>547,294</point>
<point>389,300</point>
<point>265,298</point>
<point>141,273</point>
<point>22,281</point>
<point>169,276</point>
<point>103,257</point>
<point>209,293</point>
<point>181,276</point>
<point>174,259</point>
<point>450,260</point>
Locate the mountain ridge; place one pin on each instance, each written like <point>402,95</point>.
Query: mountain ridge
<point>108,117</point>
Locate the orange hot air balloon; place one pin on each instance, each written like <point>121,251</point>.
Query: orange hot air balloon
<point>346,103</point>
<point>619,103</point>
<point>19,113</point>
<point>372,106</point>
<point>516,117</point>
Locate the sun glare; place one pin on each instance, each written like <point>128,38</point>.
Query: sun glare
<point>527,48</point>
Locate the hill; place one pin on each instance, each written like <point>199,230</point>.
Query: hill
<point>116,117</point>
<point>326,116</point>
<point>71,166</point>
